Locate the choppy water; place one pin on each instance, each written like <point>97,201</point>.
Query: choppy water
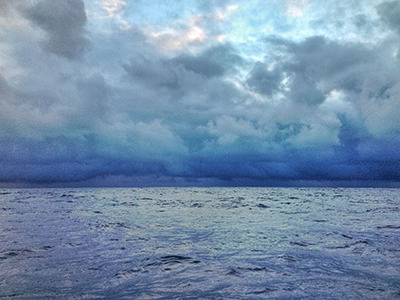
<point>200,243</point>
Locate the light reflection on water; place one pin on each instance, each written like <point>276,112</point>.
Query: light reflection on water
<point>200,243</point>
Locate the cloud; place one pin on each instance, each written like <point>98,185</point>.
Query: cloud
<point>192,29</point>
<point>264,81</point>
<point>4,7</point>
<point>214,61</point>
<point>180,35</point>
<point>319,59</point>
<point>389,13</point>
<point>152,72</point>
<point>295,8</point>
<point>187,77</point>
<point>225,13</point>
<point>64,23</point>
<point>279,108</point>
<point>113,8</point>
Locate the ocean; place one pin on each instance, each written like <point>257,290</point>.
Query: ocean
<point>200,243</point>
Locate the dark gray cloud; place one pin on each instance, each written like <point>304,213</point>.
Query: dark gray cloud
<point>64,23</point>
<point>318,57</point>
<point>184,86</point>
<point>183,72</point>
<point>4,88</point>
<point>390,14</point>
<point>312,108</point>
<point>319,60</point>
<point>153,71</point>
<point>214,61</point>
<point>264,81</point>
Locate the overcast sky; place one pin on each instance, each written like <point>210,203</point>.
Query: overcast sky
<point>155,92</point>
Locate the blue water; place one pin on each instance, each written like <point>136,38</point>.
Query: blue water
<point>200,243</point>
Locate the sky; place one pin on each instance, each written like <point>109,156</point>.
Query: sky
<point>199,93</point>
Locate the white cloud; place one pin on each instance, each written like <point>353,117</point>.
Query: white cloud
<point>113,8</point>
<point>296,8</point>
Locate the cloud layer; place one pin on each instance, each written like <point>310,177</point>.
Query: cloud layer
<point>201,93</point>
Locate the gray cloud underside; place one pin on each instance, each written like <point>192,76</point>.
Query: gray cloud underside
<point>63,23</point>
<point>312,109</point>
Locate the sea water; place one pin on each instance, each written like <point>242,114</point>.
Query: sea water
<point>200,243</point>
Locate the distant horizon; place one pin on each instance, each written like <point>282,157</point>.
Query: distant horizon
<point>292,184</point>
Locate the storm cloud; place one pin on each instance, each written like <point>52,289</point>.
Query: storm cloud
<point>64,24</point>
<point>200,95</point>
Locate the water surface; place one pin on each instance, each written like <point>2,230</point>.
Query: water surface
<point>200,243</point>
